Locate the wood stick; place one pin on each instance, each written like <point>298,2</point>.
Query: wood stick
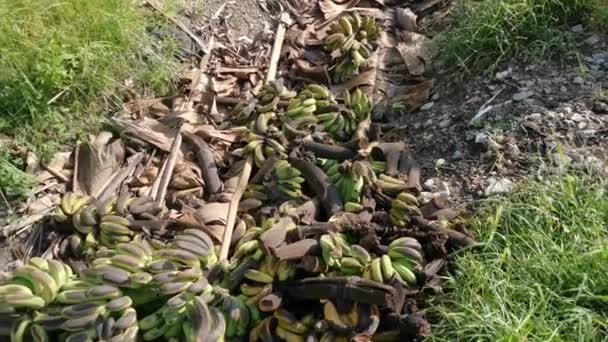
<point>171,161</point>
<point>234,206</point>
<point>284,21</point>
<point>75,185</point>
<point>55,173</point>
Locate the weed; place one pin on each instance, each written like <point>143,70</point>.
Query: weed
<point>64,64</point>
<point>487,32</point>
<point>15,183</point>
<point>539,275</point>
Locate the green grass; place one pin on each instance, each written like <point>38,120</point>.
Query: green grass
<point>64,64</point>
<point>484,33</point>
<point>541,273</point>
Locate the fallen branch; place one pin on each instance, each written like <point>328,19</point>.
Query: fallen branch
<point>206,162</point>
<point>326,192</point>
<point>168,172</point>
<point>329,151</point>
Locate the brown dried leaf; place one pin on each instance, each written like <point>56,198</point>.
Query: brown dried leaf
<point>406,19</point>
<point>332,8</point>
<point>149,130</point>
<point>416,50</point>
<point>98,162</point>
<point>186,175</point>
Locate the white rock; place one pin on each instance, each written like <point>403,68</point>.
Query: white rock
<point>578,80</point>
<point>498,187</point>
<point>592,40</point>
<point>427,105</point>
<point>439,162</point>
<point>429,184</point>
<point>522,95</point>
<point>577,117</point>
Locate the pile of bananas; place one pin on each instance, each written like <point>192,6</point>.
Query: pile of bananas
<point>403,257</point>
<point>403,207</point>
<point>350,180</point>
<point>288,179</point>
<point>351,41</point>
<point>262,147</point>
<point>106,223</point>
<point>299,117</point>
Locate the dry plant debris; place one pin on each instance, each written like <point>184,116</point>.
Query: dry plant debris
<point>246,208</point>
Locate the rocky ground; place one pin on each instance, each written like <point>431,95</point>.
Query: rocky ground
<point>483,133</point>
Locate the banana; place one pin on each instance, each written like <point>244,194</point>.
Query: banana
<point>351,263</point>
<point>346,25</point>
<point>38,333</point>
<point>289,322</point>
<point>376,270</point>
<point>179,256</point>
<point>405,242</point>
<point>153,320</point>
<point>331,315</point>
<point>119,304</point>
<point>42,283</point>
<point>160,266</point>
<point>258,276</point>
<point>19,328</point>
<point>219,326</point>
<point>82,309</point>
<point>250,290</point>
<point>405,252</point>
<point>79,323</point>
<point>22,301</point>
<point>360,254</point>
<point>112,228</point>
<point>10,289</point>
<point>405,273</point>
<point>387,267</point>
<point>128,319</point>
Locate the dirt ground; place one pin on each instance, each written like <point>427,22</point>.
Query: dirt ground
<point>542,116</point>
<point>244,18</point>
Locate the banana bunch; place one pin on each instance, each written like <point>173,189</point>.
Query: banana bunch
<point>300,117</point>
<point>239,315</point>
<point>334,249</point>
<point>344,123</point>
<point>350,181</point>
<point>258,283</point>
<point>343,322</point>
<point>288,179</point>
<point>204,323</point>
<point>70,204</point>
<point>285,326</point>
<point>351,41</point>
<point>403,257</point>
<point>262,148</point>
<point>390,185</point>
<point>171,320</point>
<point>93,311</point>
<point>403,207</point>
<point>34,285</point>
<point>359,103</point>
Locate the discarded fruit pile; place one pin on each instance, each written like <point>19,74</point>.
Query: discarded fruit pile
<point>331,239</point>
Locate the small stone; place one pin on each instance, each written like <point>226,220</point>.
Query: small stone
<point>578,80</point>
<point>563,89</point>
<point>522,95</point>
<point>435,97</point>
<point>445,123</point>
<point>600,107</point>
<point>567,110</point>
<point>428,122</point>
<point>577,28</point>
<point>504,74</point>
<point>481,139</point>
<point>429,185</point>
<point>592,40</point>
<point>440,162</point>
<point>498,186</point>
<point>534,117</point>
<point>457,155</point>
<point>427,105</point>
<point>577,117</point>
